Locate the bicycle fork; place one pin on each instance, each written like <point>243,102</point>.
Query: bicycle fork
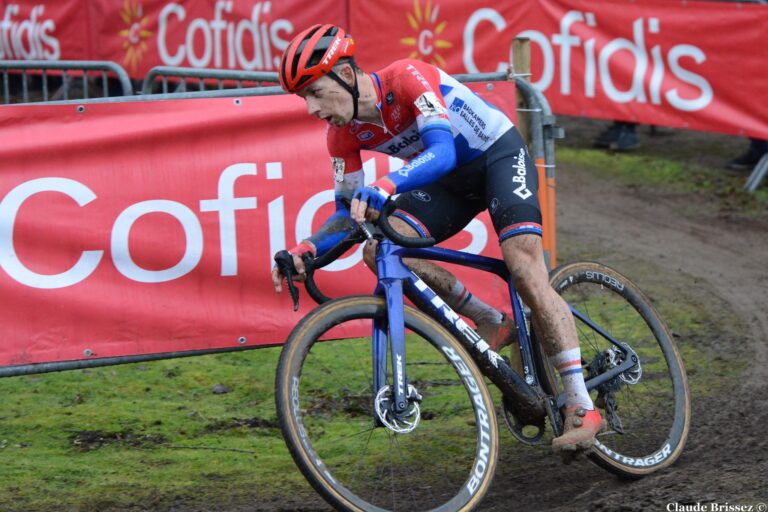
<point>530,403</point>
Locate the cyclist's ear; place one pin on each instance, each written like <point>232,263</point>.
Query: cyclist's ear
<point>346,72</point>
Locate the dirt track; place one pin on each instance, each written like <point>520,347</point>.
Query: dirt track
<point>711,256</point>
<point>693,248</point>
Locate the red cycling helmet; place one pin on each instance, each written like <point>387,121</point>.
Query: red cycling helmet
<point>312,54</point>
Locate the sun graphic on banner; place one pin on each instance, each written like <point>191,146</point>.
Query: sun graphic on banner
<point>135,34</point>
<point>424,23</point>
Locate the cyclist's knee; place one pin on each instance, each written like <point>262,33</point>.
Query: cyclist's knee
<point>369,254</point>
<point>524,257</point>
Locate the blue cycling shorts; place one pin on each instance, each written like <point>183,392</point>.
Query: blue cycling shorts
<point>502,180</point>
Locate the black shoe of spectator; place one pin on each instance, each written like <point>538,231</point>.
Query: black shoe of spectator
<point>608,137</point>
<point>746,161</point>
<point>626,141</point>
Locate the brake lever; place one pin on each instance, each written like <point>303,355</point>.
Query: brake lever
<point>284,261</point>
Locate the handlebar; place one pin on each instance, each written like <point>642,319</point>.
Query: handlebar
<point>284,259</point>
<point>412,242</point>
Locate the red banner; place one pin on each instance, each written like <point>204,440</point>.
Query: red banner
<point>697,65</point>
<point>691,64</point>
<point>141,34</point>
<point>45,30</point>
<point>149,227</point>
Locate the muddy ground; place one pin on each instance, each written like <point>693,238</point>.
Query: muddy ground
<point>712,254</point>
<point>701,248</point>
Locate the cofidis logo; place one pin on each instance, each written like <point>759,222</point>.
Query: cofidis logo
<point>426,25</point>
<point>135,33</point>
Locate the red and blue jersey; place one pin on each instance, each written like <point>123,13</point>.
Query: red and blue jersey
<point>428,118</point>
<point>415,98</point>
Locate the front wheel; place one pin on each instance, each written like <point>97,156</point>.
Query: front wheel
<point>647,407</point>
<point>326,405</point>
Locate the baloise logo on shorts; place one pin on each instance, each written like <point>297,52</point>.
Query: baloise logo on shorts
<point>522,173</point>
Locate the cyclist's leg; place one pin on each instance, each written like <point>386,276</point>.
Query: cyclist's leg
<point>512,196</point>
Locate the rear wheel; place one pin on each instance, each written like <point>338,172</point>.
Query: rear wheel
<point>327,409</point>
<point>648,406</point>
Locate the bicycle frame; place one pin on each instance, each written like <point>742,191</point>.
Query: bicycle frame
<point>525,391</point>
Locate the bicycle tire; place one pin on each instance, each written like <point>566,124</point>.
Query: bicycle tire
<point>654,413</point>
<point>326,415</point>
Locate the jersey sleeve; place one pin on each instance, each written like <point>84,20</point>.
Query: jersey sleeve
<point>420,84</point>
<point>420,87</point>
<point>348,176</point>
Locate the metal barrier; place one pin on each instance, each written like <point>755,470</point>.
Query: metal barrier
<point>222,78</point>
<point>29,70</point>
<point>542,130</point>
<point>758,175</point>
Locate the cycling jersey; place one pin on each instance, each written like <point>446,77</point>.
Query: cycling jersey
<point>429,119</point>
<point>410,94</point>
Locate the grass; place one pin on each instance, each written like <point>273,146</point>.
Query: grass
<point>142,435</point>
<point>147,436</point>
<point>673,175</point>
<point>155,436</point>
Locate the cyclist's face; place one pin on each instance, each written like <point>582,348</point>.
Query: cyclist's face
<point>327,100</point>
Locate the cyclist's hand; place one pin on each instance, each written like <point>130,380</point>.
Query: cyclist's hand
<point>368,201</point>
<point>301,271</point>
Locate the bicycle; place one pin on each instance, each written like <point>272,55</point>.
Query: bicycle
<point>404,419</point>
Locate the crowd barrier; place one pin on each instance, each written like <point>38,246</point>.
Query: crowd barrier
<point>758,175</point>
<point>67,76</point>
<point>540,119</point>
<point>222,78</point>
<point>541,129</point>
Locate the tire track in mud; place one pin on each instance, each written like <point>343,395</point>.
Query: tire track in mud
<point>726,455</point>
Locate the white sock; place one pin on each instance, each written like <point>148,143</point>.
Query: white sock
<point>462,301</point>
<point>568,364</point>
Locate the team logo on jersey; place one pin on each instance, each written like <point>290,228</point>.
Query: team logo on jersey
<point>390,98</point>
<point>402,142</point>
<point>366,135</point>
<point>396,114</point>
<point>456,105</point>
<point>429,105</point>
<point>426,43</point>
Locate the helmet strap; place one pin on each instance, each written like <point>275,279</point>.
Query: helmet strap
<point>353,90</point>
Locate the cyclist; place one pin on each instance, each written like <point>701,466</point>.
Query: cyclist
<point>464,156</point>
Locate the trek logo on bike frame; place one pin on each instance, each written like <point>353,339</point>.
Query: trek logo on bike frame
<point>481,466</point>
<point>474,338</point>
